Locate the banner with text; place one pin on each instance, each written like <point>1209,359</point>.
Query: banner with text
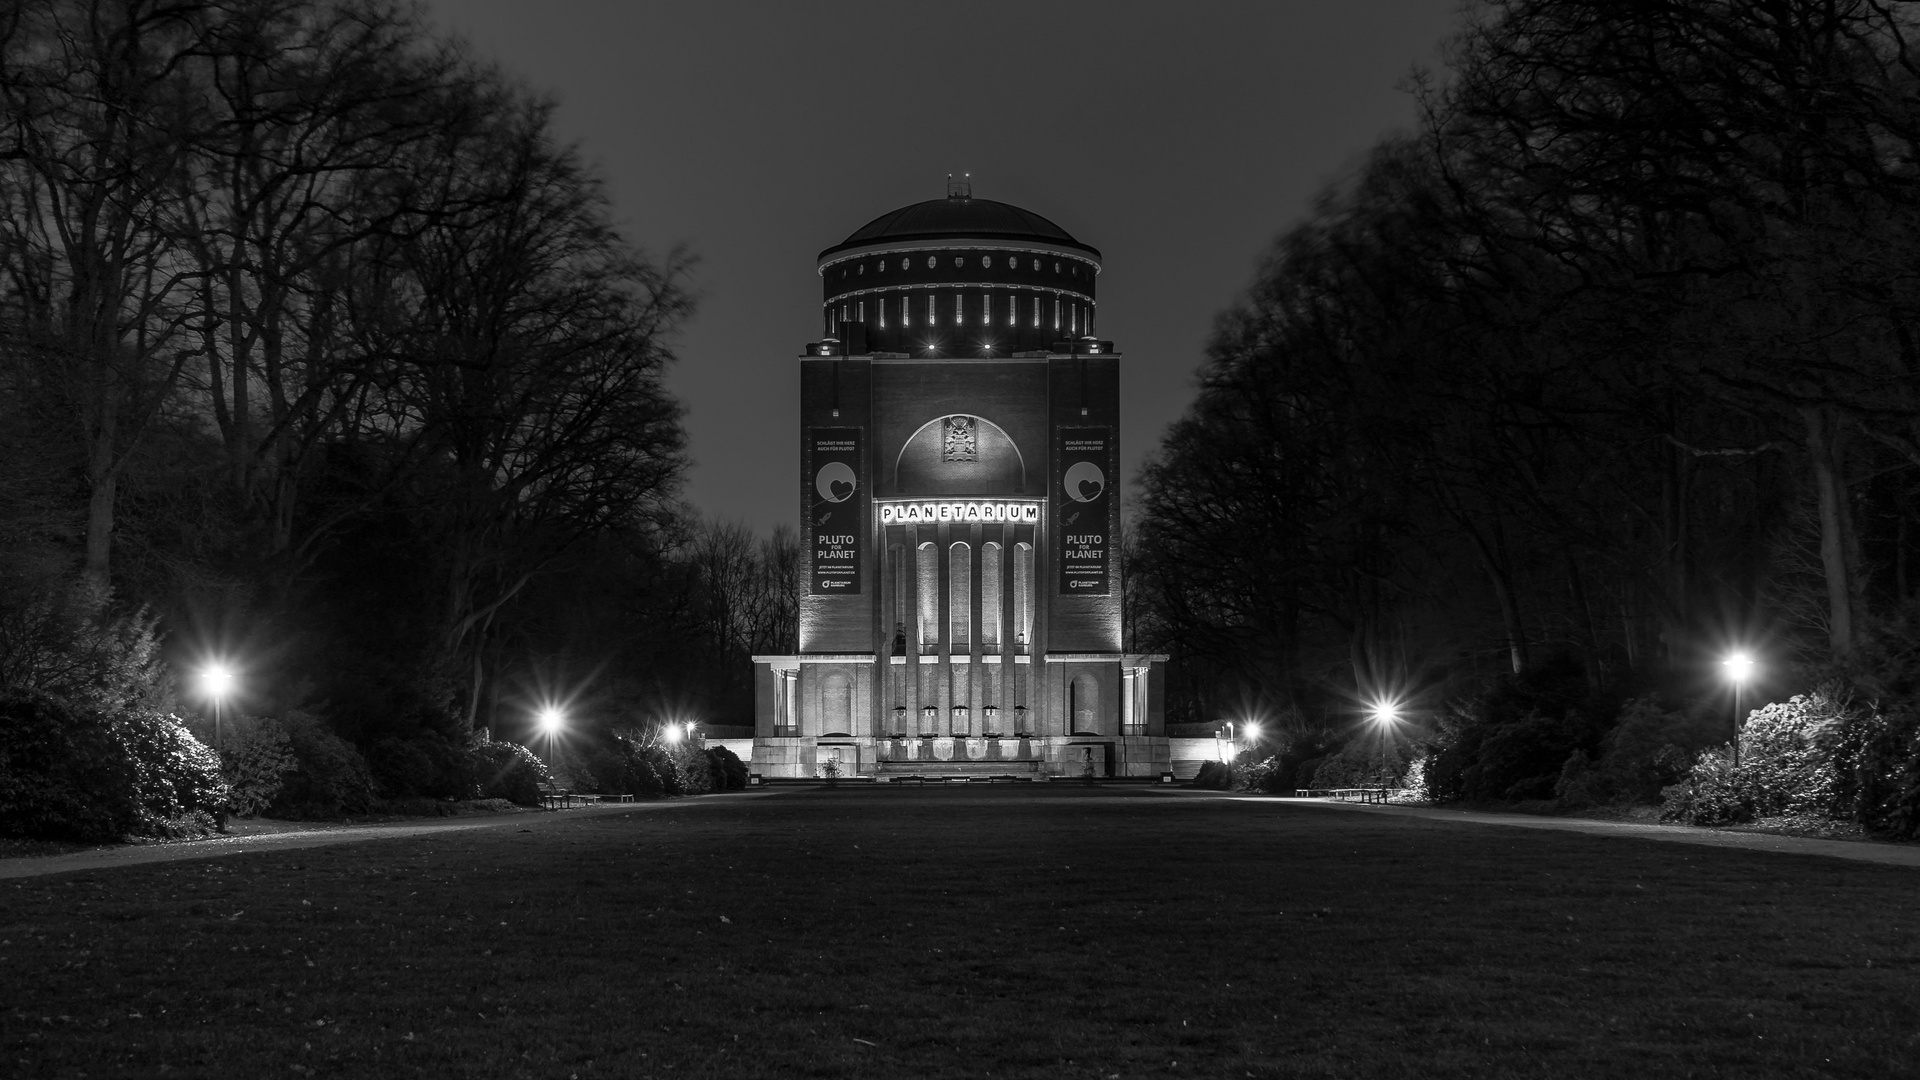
<point>1083,468</point>
<point>835,521</point>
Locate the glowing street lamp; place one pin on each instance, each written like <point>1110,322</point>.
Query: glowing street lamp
<point>551,721</point>
<point>1739,667</point>
<point>1386,714</point>
<point>671,732</point>
<point>217,680</point>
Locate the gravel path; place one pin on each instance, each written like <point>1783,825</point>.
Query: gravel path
<point>112,858</point>
<point>1860,851</point>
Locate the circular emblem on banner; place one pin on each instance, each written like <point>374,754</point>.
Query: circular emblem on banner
<point>834,481</point>
<point>1084,482</point>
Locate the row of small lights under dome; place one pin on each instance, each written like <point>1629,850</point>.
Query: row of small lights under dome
<point>933,262</point>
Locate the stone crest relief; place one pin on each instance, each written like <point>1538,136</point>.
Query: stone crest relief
<point>959,443</point>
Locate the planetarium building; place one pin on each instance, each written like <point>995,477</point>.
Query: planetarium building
<point>959,489</point>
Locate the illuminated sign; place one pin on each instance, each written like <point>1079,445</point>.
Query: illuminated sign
<point>1083,509</point>
<point>836,469</point>
<point>960,512</point>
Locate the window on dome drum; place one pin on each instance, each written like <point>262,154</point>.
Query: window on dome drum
<point>1074,317</point>
<point>959,596</point>
<point>926,566</point>
<point>1036,312</point>
<point>959,310</point>
<point>906,315</point>
<point>880,305</point>
<point>933,311</point>
<point>1013,311</point>
<point>1022,594</point>
<point>1056,313</point>
<point>986,309</point>
<point>990,570</point>
<point>863,311</point>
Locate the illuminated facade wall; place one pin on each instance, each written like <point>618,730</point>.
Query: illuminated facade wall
<point>960,498</point>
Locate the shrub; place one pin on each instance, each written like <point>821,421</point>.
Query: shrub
<point>1363,762</point>
<point>400,768</point>
<point>177,779</point>
<point>63,774</point>
<point>331,778</point>
<point>506,770</point>
<point>1267,775</point>
<point>646,781</point>
<point>1213,776</point>
<point>729,772</point>
<point>1786,755</point>
<point>76,774</point>
<point>256,761</point>
<point>61,639</point>
<point>1801,756</point>
<point>665,766</point>
<point>1647,750</point>
<point>696,774</point>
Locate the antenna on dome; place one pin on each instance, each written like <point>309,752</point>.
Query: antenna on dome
<point>961,188</point>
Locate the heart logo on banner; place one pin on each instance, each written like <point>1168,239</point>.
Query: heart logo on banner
<point>1083,482</point>
<point>834,481</point>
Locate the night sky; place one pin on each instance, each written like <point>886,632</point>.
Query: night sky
<point>1179,139</point>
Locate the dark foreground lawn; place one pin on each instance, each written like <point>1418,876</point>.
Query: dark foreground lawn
<point>1008,932</point>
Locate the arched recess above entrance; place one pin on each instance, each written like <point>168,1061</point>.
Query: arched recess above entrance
<point>973,457</point>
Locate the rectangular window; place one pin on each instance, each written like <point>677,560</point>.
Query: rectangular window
<point>959,310</point>
<point>933,312</point>
<point>1013,312</point>
<point>1036,312</point>
<point>926,567</point>
<point>986,310</point>
<point>863,311</point>
<point>959,596</point>
<point>906,313</point>
<point>1056,313</point>
<point>881,307</point>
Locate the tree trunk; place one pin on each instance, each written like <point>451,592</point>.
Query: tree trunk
<point>1493,559</point>
<point>1838,545</point>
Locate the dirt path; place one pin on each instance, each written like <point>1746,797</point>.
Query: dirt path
<point>1860,851</point>
<point>109,858</point>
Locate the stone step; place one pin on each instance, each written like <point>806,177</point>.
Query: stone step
<point>956,768</point>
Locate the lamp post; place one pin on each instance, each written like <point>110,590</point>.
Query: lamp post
<point>550,723</point>
<point>1739,668</point>
<point>1385,715</point>
<point>218,680</point>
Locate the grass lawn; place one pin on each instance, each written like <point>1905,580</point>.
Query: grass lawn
<point>1034,931</point>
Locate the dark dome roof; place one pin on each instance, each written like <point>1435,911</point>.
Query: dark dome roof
<point>959,218</point>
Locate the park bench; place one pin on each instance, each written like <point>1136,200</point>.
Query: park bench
<point>1346,794</point>
<point>553,797</point>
